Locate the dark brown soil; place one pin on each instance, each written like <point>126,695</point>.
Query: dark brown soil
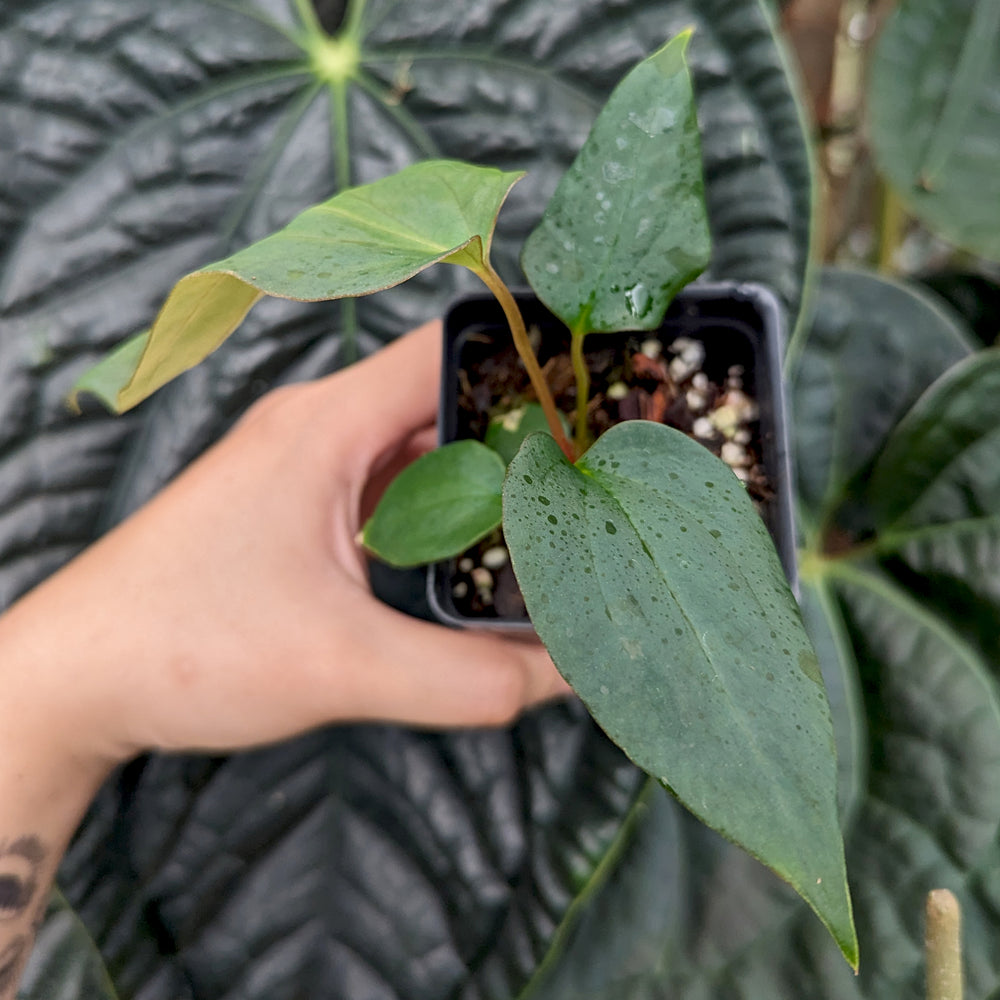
<point>673,381</point>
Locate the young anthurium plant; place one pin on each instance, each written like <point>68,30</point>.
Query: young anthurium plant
<point>645,568</point>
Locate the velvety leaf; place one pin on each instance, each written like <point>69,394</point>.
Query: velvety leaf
<point>65,963</point>
<point>438,506</point>
<point>651,533</point>
<point>362,240</point>
<point>626,228</point>
<point>935,116</point>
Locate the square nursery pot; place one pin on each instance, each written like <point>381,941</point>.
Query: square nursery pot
<point>731,333</point>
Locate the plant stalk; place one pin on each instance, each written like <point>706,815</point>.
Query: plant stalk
<point>521,341</point>
<point>943,946</point>
<point>582,375</point>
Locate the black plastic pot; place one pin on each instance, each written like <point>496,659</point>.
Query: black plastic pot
<point>739,324</point>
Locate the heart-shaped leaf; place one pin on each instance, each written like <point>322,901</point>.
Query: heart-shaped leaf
<point>934,95</point>
<point>626,228</point>
<point>360,241</point>
<point>438,505</point>
<point>653,583</point>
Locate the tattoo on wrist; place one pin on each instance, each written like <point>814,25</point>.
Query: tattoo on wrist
<point>21,863</point>
<point>12,959</point>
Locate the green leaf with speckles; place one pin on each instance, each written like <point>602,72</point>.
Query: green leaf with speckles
<point>685,643</point>
<point>627,228</point>
<point>362,240</point>
<point>438,505</point>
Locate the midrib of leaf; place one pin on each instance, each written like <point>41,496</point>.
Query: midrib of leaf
<point>406,121</point>
<point>265,164</point>
<point>749,738</point>
<point>892,541</point>
<point>602,871</point>
<point>395,235</point>
<point>960,99</point>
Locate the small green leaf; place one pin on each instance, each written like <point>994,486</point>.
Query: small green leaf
<point>627,226</point>
<point>653,583</point>
<point>506,432</point>
<point>438,505</point>
<point>360,241</point>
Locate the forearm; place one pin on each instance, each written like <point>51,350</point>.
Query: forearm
<point>45,786</point>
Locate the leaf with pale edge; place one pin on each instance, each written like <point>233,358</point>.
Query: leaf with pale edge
<point>653,583</point>
<point>360,241</point>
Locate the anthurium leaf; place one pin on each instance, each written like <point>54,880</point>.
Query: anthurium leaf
<point>360,241</point>
<point>438,505</point>
<point>935,116</point>
<point>653,583</point>
<point>65,963</point>
<point>627,227</point>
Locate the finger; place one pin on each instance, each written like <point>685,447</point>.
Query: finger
<point>398,386</point>
<point>423,674</point>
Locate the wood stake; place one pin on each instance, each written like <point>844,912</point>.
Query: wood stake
<point>943,946</point>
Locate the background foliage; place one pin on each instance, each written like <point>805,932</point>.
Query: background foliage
<point>147,139</point>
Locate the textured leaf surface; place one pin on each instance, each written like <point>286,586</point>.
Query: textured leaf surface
<point>146,139</point>
<point>935,106</point>
<point>438,505</point>
<point>626,229</point>
<point>629,562</point>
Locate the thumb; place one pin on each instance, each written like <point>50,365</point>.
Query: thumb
<point>398,386</point>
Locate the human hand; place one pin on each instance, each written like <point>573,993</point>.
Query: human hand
<point>234,609</point>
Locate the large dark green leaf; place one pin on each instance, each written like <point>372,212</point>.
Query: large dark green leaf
<point>652,581</point>
<point>934,95</point>
<point>146,139</point>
